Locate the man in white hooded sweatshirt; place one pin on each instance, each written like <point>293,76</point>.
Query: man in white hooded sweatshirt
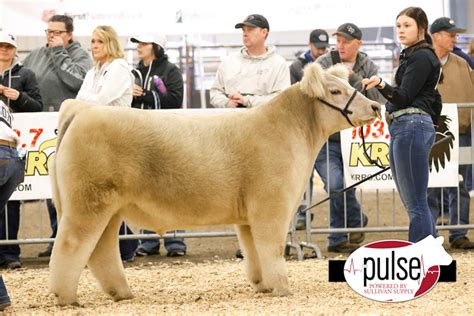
<point>253,75</point>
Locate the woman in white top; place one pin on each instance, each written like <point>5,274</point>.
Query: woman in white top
<point>110,81</point>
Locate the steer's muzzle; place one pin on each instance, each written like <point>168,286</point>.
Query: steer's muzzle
<point>377,109</point>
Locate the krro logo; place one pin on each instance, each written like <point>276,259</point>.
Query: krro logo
<point>396,270</point>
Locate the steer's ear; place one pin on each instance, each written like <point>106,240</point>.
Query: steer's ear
<point>339,71</point>
<point>313,81</point>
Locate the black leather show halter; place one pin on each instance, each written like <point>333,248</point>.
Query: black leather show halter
<point>345,112</point>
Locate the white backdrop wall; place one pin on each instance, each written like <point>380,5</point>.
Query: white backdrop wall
<point>27,17</point>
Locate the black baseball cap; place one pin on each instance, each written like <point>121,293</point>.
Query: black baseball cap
<point>319,38</point>
<point>445,24</point>
<point>254,20</point>
<point>350,31</point>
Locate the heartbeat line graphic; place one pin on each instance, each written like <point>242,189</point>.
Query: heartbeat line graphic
<point>352,268</point>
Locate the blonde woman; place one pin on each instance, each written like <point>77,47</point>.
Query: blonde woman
<point>110,81</point>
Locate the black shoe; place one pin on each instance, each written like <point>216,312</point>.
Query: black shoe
<point>128,260</point>
<point>357,238</point>
<point>176,253</point>
<point>46,253</point>
<point>462,243</point>
<point>141,252</point>
<point>239,254</point>
<point>12,264</point>
<point>4,305</point>
<point>301,221</point>
<point>343,247</point>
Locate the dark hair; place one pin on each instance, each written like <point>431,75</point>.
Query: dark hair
<point>417,14</point>
<point>67,20</point>
<point>157,51</point>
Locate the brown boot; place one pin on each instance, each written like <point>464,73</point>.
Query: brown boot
<point>462,243</point>
<point>344,247</point>
<point>357,238</point>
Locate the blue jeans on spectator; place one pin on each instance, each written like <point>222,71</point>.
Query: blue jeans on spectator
<point>10,252</point>
<point>127,246</point>
<point>52,217</point>
<point>4,298</point>
<point>334,182</point>
<point>465,141</point>
<point>412,136</point>
<point>451,193</point>
<point>11,174</point>
<point>152,246</point>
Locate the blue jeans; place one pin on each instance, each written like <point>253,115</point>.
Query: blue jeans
<point>412,136</point>
<point>153,245</point>
<point>334,182</point>
<point>127,246</point>
<point>451,194</point>
<point>11,174</point>
<point>52,217</point>
<point>465,141</point>
<point>10,252</point>
<point>4,298</point>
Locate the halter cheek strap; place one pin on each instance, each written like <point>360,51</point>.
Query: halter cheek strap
<point>345,112</point>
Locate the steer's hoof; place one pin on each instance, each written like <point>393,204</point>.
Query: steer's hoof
<point>281,292</point>
<point>259,287</point>
<point>120,297</point>
<point>60,301</point>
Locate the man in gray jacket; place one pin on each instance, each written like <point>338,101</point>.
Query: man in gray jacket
<point>61,65</point>
<point>60,68</point>
<point>344,209</point>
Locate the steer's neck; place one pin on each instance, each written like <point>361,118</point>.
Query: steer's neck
<point>298,116</point>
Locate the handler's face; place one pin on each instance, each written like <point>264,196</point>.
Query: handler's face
<point>407,30</point>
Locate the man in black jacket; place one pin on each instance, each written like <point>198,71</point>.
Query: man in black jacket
<point>318,46</point>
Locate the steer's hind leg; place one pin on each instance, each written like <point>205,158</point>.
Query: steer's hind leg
<point>251,260</point>
<point>270,244</point>
<point>75,241</point>
<point>106,265</point>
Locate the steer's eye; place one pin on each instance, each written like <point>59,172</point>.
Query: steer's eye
<point>336,92</point>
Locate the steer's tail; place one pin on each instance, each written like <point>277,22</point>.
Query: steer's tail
<point>69,109</point>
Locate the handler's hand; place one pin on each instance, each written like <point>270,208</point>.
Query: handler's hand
<point>372,82</point>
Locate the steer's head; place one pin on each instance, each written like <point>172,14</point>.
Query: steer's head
<point>330,89</point>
